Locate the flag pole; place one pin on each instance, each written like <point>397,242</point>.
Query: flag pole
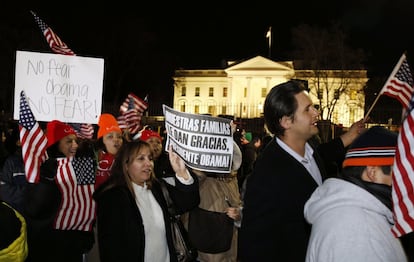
<point>269,36</point>
<point>394,71</point>
<point>370,109</point>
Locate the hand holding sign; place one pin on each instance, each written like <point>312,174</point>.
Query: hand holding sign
<point>205,143</point>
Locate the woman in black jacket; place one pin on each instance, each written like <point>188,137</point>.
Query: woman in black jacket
<point>132,216</point>
<point>59,208</point>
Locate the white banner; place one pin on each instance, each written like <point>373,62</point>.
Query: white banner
<point>62,87</point>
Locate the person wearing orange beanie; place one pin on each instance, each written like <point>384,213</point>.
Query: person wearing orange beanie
<point>108,144</point>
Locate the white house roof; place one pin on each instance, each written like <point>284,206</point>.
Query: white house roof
<point>260,63</point>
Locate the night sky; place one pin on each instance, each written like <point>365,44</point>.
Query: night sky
<point>143,44</point>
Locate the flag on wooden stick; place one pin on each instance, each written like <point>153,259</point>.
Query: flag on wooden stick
<point>400,83</point>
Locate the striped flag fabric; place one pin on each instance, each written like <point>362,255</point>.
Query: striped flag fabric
<point>58,46</point>
<point>139,104</point>
<point>76,178</point>
<point>400,83</point>
<point>33,141</point>
<point>84,131</point>
<point>131,112</point>
<point>55,43</point>
<point>403,176</point>
<point>132,117</point>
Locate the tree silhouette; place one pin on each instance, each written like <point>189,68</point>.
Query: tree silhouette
<point>332,66</point>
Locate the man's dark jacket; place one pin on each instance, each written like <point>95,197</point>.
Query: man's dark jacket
<point>273,225</point>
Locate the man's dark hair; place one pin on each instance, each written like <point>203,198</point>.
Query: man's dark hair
<point>281,102</point>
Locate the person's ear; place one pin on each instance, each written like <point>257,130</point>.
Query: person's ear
<point>285,122</point>
<point>371,173</point>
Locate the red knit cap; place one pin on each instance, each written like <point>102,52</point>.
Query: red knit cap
<point>147,134</point>
<point>57,130</point>
<point>107,123</point>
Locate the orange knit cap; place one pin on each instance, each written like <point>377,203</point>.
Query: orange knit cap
<point>107,123</point>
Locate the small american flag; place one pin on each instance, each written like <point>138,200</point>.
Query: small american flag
<point>75,179</point>
<point>400,83</point>
<point>55,43</point>
<point>33,141</point>
<point>83,130</point>
<point>139,104</point>
<point>403,177</point>
<point>132,110</point>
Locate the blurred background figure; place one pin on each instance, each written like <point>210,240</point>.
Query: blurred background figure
<point>12,178</point>
<point>249,154</point>
<point>219,200</point>
<point>162,166</point>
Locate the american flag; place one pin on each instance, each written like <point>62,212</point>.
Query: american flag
<point>55,43</point>
<point>33,141</point>
<point>400,83</point>
<point>83,130</point>
<point>138,103</point>
<point>403,177</point>
<point>76,178</point>
<point>131,112</point>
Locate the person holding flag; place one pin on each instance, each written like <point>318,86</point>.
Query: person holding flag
<point>59,208</point>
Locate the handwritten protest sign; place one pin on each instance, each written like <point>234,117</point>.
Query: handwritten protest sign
<point>67,88</point>
<point>204,142</point>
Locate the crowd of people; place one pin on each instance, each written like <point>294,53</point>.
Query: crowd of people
<point>100,199</point>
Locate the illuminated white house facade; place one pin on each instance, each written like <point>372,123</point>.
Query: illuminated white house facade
<point>241,88</point>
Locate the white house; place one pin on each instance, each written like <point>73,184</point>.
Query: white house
<point>241,88</point>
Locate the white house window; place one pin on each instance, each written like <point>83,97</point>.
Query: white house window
<point>212,110</point>
<point>264,91</point>
<point>225,91</point>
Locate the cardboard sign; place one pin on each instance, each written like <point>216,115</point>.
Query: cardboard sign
<point>204,142</point>
<point>66,88</point>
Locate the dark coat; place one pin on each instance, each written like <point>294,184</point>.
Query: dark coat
<point>13,182</point>
<point>121,234</point>
<point>273,225</point>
